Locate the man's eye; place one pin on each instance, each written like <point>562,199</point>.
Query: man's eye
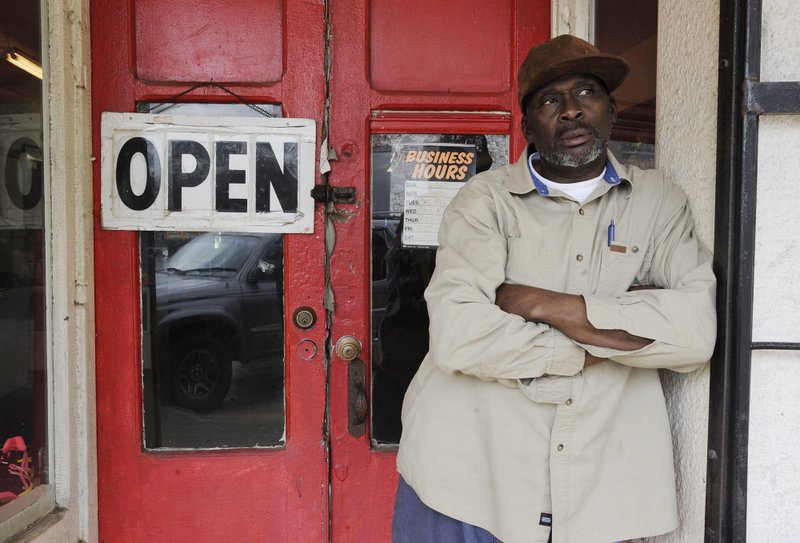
<point>585,92</point>
<point>549,100</point>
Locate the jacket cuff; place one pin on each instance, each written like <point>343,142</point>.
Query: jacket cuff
<point>568,357</point>
<point>604,313</point>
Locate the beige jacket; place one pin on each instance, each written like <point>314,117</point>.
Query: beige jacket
<point>502,424</point>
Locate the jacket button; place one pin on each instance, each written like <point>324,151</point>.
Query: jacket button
<point>560,447</point>
<point>579,258</point>
<point>569,401</point>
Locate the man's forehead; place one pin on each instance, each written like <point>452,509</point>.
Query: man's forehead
<point>568,81</point>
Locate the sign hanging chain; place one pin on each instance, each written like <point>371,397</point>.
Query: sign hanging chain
<point>169,102</point>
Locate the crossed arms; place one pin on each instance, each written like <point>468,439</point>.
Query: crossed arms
<point>566,313</point>
<point>485,327</point>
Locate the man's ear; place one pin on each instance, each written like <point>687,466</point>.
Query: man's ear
<point>525,131</point>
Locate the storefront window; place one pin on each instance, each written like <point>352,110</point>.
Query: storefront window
<point>23,379</point>
<point>633,137</point>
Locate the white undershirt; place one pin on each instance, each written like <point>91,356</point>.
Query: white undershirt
<point>578,191</point>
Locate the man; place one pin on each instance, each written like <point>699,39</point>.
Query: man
<point>562,283</point>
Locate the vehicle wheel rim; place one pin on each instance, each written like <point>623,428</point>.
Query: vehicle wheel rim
<point>198,374</point>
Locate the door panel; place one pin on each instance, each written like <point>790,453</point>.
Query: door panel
<point>216,40</point>
<point>244,494</point>
<point>403,75</point>
<point>455,47</point>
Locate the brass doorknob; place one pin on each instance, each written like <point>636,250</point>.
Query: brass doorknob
<point>348,348</point>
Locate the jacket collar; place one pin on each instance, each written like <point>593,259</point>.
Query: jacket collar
<point>521,181</point>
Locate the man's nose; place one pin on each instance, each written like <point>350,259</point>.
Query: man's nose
<point>570,108</point>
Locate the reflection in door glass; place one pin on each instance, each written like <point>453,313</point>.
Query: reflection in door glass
<point>212,339</point>
<point>414,176</point>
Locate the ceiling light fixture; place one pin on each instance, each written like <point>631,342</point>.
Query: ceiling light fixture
<point>21,61</point>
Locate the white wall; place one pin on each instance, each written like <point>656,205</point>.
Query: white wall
<point>772,496</point>
<point>686,137</point>
<point>773,467</point>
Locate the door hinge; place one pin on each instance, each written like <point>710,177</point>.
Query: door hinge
<point>336,195</point>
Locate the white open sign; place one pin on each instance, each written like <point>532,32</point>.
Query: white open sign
<point>170,172</point>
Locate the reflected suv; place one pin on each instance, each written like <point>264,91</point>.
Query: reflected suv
<point>219,298</point>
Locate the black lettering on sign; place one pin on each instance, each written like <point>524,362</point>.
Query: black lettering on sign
<point>24,155</point>
<point>227,177</point>
<point>283,180</point>
<point>153,185</point>
<point>177,178</point>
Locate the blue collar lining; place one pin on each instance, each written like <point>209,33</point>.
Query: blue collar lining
<point>611,176</point>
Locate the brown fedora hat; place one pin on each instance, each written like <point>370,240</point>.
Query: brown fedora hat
<point>568,55</point>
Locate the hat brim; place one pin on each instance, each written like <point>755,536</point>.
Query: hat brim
<point>609,69</point>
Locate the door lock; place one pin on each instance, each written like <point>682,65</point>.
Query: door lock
<point>304,317</point>
<point>348,348</point>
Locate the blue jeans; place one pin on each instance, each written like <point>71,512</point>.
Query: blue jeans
<point>415,522</point>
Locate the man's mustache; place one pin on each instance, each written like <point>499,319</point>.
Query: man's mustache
<point>575,125</point>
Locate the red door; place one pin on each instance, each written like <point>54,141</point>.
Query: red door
<point>178,464</point>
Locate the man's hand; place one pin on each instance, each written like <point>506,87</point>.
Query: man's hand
<point>565,312</point>
<point>590,359</point>
<point>633,288</point>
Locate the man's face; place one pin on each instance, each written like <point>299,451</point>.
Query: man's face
<point>569,120</point>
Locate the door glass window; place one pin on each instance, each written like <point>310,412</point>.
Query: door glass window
<point>23,379</point>
<point>414,177</point>
<point>212,331</point>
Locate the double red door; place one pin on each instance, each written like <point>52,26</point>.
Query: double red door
<point>373,75</point>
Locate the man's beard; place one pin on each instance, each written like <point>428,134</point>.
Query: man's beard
<point>565,159</point>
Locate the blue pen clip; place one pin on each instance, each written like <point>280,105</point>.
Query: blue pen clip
<point>611,232</point>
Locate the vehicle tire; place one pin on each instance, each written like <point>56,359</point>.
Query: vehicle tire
<point>200,373</point>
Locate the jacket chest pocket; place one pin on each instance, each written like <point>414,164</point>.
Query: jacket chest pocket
<point>530,262</point>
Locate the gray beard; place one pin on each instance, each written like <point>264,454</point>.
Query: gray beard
<point>564,159</point>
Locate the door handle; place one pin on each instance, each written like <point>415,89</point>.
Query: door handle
<point>349,349</point>
<point>356,398</point>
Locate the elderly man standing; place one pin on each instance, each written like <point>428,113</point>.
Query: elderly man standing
<point>563,283</point>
